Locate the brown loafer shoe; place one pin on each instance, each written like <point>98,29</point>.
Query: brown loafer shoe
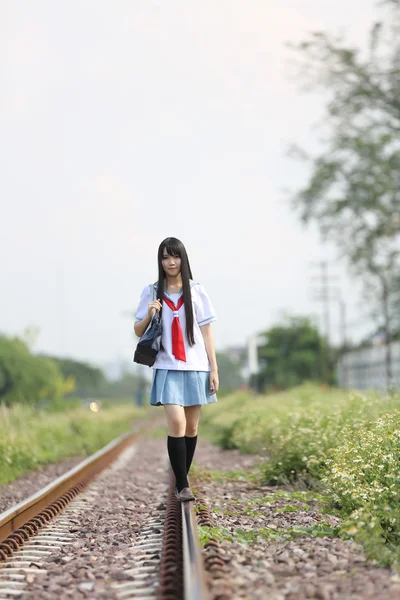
<point>185,495</point>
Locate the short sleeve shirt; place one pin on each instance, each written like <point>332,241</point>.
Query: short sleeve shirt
<point>203,313</point>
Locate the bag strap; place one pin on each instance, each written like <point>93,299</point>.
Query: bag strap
<point>153,295</point>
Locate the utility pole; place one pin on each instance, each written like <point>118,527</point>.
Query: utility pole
<point>325,296</point>
<point>328,293</point>
<point>343,324</point>
<point>343,327</point>
<point>387,329</point>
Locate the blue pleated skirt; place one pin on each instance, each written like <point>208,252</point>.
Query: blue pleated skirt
<point>185,388</point>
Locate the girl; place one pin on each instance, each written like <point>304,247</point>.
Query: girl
<point>185,371</point>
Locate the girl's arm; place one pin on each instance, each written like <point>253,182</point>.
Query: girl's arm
<point>141,326</point>
<point>210,349</point>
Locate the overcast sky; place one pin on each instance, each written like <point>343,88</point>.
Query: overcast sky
<point>127,121</point>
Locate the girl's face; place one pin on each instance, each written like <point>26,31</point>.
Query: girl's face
<point>171,264</point>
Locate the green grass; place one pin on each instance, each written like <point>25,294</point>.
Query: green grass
<point>31,439</point>
<point>223,476</point>
<point>252,536</point>
<point>344,445</point>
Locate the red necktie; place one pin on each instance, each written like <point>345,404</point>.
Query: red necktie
<point>178,345</point>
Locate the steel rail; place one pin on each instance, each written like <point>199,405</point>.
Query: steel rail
<point>193,569</point>
<point>51,499</point>
<point>182,573</point>
<point>182,577</point>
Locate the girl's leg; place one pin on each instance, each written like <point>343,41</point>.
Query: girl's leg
<point>176,443</point>
<point>192,414</point>
<point>176,420</point>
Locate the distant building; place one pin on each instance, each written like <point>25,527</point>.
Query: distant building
<point>365,368</point>
<point>239,355</point>
<point>236,353</point>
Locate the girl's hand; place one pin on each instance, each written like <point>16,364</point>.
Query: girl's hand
<point>154,306</point>
<point>214,382</point>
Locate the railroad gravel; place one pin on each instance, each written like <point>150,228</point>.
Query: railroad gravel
<point>320,568</point>
<point>25,486</point>
<point>108,535</point>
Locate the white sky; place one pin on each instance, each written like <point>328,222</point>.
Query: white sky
<point>125,122</point>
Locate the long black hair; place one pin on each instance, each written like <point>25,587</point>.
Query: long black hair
<point>174,247</point>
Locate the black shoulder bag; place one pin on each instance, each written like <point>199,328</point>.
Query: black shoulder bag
<point>150,342</point>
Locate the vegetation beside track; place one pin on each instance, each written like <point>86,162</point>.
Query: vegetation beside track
<point>32,438</point>
<point>345,445</point>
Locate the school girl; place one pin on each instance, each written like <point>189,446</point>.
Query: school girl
<point>185,371</point>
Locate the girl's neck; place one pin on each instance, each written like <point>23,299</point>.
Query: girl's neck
<point>173,284</point>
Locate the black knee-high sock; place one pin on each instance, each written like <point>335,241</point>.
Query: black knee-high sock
<point>190,448</point>
<point>177,456</point>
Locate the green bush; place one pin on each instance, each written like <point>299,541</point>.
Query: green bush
<point>346,444</point>
<point>363,477</point>
<point>294,430</point>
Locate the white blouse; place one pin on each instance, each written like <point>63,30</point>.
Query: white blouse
<point>203,313</point>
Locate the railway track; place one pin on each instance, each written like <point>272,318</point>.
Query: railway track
<point>165,558</point>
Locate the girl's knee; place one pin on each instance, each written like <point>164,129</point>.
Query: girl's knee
<point>176,430</point>
<point>176,427</point>
<point>192,420</point>
<point>191,430</point>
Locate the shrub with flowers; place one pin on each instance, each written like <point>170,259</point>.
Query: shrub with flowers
<point>363,478</point>
<point>294,430</point>
<point>347,444</point>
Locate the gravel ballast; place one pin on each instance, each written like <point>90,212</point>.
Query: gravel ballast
<point>115,535</point>
<point>23,487</point>
<point>108,540</point>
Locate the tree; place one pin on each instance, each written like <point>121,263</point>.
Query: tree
<point>26,378</point>
<point>295,352</point>
<point>89,380</point>
<point>353,192</point>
